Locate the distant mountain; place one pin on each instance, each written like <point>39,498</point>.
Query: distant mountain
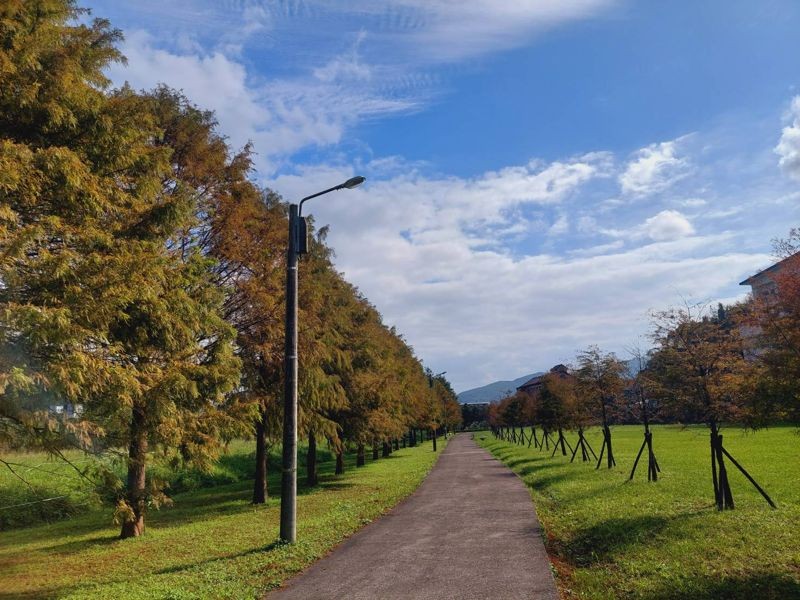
<point>493,391</point>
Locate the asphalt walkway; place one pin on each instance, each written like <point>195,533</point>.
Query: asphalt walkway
<point>469,532</point>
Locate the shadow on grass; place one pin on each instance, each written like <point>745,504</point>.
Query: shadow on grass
<point>217,559</point>
<point>541,484</point>
<point>600,542</point>
<point>230,499</point>
<point>760,586</point>
<point>216,495</point>
<point>40,594</point>
<point>540,461</point>
<point>79,545</point>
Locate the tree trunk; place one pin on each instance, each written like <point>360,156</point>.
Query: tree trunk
<point>137,464</point>
<point>610,455</point>
<point>375,450</point>
<point>606,448</point>
<point>433,432</point>
<point>311,460</point>
<point>260,483</point>
<point>384,449</point>
<point>606,438</point>
<point>360,455</point>
<point>339,462</point>
<point>722,488</point>
<point>396,444</point>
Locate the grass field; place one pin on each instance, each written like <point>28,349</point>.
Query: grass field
<point>609,538</point>
<point>38,476</point>
<point>212,543</point>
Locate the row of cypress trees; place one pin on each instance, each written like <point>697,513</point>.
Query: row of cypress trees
<point>141,281</point>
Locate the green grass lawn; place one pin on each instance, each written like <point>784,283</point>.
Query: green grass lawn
<point>37,476</point>
<point>212,543</point>
<point>610,538</point>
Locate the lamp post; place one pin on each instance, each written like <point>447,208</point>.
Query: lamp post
<point>298,244</point>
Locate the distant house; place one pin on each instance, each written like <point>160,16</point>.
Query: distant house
<point>763,284</point>
<point>764,288</point>
<point>534,385</point>
<point>68,410</point>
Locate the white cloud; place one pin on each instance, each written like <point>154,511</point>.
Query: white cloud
<point>788,148</point>
<point>654,169</point>
<point>667,225</point>
<point>462,206</point>
<point>599,249</point>
<point>416,247</point>
<point>664,226</point>
<point>693,202</point>
<point>280,117</point>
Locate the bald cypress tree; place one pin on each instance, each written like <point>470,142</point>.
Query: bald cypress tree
<point>600,383</point>
<point>101,305</point>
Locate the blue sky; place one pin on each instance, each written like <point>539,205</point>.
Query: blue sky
<point>541,174</point>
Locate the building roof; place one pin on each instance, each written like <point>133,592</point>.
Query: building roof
<point>532,382</point>
<point>539,379</point>
<point>769,270</point>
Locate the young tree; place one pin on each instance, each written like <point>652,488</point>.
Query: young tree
<point>494,417</point>
<point>529,411</point>
<point>556,407</point>
<point>643,398</point>
<point>699,369</point>
<point>600,381</point>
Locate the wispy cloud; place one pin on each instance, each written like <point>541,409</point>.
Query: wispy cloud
<point>280,116</point>
<point>444,31</point>
<point>400,31</point>
<point>654,169</point>
<point>331,65</point>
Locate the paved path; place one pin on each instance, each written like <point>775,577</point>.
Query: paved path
<point>469,532</point>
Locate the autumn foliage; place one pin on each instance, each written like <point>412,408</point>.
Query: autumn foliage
<point>142,279</point>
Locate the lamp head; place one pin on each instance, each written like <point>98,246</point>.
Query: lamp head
<point>354,182</point>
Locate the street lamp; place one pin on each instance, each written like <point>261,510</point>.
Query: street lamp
<point>298,244</point>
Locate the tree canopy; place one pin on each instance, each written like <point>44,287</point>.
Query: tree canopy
<point>142,279</point>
